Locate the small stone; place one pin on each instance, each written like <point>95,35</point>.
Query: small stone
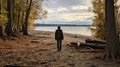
<point>43,62</point>
<point>34,42</point>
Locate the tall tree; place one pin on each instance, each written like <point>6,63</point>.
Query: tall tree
<point>99,19</point>
<point>25,31</point>
<point>18,17</point>
<point>117,13</point>
<point>18,26</point>
<point>9,26</point>
<point>0,6</point>
<point>112,40</point>
<point>1,28</point>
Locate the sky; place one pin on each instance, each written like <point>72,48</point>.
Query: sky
<point>68,11</point>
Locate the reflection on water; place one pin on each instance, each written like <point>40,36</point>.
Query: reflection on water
<point>82,30</point>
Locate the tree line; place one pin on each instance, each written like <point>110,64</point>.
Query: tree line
<point>17,15</point>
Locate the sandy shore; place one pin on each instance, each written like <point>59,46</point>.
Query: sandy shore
<point>39,49</point>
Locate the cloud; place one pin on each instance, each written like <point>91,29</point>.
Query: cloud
<point>70,17</point>
<point>56,10</point>
<point>61,9</point>
<point>66,3</point>
<point>79,7</point>
<point>73,9</point>
<point>68,11</point>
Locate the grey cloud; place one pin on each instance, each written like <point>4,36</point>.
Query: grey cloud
<point>69,11</point>
<point>56,4</point>
<point>72,11</point>
<point>66,3</point>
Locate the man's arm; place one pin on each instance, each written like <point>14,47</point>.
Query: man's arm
<point>62,34</point>
<point>56,35</point>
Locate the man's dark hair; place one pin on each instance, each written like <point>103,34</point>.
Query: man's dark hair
<point>58,27</point>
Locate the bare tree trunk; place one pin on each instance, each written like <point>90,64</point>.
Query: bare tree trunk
<point>9,26</point>
<point>1,22</point>
<point>13,5</point>
<point>18,26</point>
<point>0,6</point>
<point>116,7</point>
<point>25,30</point>
<point>23,18</point>
<point>112,41</point>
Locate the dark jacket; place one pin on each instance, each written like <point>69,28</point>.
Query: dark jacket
<point>59,34</point>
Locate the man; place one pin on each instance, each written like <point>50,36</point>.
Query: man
<point>59,37</point>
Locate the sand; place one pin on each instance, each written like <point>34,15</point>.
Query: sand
<point>39,50</point>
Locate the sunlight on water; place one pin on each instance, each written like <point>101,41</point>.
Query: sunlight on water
<point>72,29</point>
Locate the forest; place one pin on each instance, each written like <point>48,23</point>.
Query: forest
<point>21,46</point>
<point>17,15</point>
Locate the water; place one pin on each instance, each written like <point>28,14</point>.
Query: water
<point>82,30</point>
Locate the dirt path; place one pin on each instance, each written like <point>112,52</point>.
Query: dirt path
<point>39,49</point>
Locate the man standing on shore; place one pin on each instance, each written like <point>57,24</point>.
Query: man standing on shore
<point>59,37</point>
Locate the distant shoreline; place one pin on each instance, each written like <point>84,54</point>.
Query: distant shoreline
<point>82,30</point>
<point>60,25</point>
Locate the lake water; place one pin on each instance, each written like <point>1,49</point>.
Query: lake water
<point>82,30</point>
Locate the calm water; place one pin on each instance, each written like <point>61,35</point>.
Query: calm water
<point>72,29</point>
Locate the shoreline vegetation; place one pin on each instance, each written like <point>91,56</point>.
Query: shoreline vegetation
<point>39,49</point>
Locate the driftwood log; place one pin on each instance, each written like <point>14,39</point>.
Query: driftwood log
<point>95,41</point>
<point>92,45</point>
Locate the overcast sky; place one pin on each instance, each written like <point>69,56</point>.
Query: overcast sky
<point>70,11</point>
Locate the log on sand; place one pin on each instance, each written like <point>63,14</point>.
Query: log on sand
<point>94,46</point>
<point>95,41</point>
<point>91,45</point>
